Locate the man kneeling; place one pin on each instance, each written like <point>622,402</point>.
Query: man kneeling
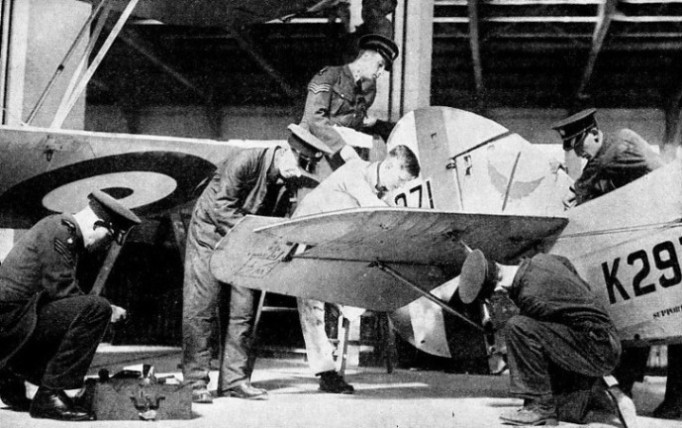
<point>49,328</point>
<point>561,342</point>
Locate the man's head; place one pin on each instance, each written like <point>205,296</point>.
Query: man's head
<point>399,167</point>
<point>478,278</point>
<point>285,162</point>
<point>285,165</point>
<point>580,133</point>
<point>110,220</point>
<point>377,54</point>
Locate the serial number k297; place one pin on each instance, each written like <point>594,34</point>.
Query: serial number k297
<point>658,266</point>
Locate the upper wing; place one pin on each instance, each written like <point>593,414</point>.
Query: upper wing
<point>332,256</point>
<point>53,170</point>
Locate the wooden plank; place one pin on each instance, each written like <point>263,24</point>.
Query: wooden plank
<point>606,14</point>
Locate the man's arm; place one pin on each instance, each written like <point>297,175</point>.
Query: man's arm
<point>317,109</point>
<point>58,256</point>
<point>238,175</point>
<point>358,187</point>
<point>632,157</point>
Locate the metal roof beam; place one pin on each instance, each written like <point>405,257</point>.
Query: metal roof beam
<point>474,42</point>
<point>606,12</point>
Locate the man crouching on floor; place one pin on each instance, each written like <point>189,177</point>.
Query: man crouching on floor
<point>561,342</point>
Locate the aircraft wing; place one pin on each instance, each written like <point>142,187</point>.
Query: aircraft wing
<point>337,257</point>
<point>44,171</point>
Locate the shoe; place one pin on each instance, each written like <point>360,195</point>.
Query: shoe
<point>55,404</point>
<point>332,382</point>
<point>13,391</point>
<point>668,410</point>
<point>533,413</point>
<point>202,395</point>
<point>247,391</point>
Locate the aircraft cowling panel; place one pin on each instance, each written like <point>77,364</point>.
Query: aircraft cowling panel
<point>628,245</point>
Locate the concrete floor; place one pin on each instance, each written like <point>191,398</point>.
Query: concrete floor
<point>403,399</point>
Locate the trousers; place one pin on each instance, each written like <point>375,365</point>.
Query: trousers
<point>63,344</point>
<point>202,294</point>
<point>543,355</point>
<point>318,348</point>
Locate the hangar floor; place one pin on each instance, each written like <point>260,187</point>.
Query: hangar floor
<point>403,399</point>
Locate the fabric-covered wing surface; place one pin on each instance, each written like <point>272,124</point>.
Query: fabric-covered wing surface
<point>330,256</point>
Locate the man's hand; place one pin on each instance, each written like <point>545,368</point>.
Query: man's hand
<point>348,153</point>
<point>569,201</point>
<point>118,313</point>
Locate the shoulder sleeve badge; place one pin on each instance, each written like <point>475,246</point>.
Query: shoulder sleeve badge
<point>316,88</point>
<point>64,249</point>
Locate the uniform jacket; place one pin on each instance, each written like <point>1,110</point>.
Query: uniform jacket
<point>350,186</point>
<point>548,288</point>
<point>334,98</point>
<point>40,267</point>
<point>239,187</point>
<point>622,158</point>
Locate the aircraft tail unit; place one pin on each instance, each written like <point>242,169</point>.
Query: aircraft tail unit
<point>627,244</point>
<point>50,170</point>
<point>469,164</point>
<point>473,164</point>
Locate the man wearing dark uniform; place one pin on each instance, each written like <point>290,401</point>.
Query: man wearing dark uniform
<point>341,96</point>
<point>614,161</point>
<point>561,341</point>
<point>249,181</point>
<point>49,328</point>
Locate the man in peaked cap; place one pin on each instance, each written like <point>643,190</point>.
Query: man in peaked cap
<point>558,345</point>
<point>49,327</point>
<point>341,96</point>
<point>612,161</point>
<point>249,181</point>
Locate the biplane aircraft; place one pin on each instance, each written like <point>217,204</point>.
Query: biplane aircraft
<point>482,186</point>
<point>485,187</point>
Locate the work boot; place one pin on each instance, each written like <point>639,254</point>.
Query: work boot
<point>55,404</point>
<point>201,395</point>
<point>247,391</point>
<point>668,409</point>
<point>533,413</point>
<point>333,382</point>
<point>13,391</point>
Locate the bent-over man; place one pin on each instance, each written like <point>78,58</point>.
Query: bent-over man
<point>558,345</point>
<point>249,181</point>
<point>356,184</point>
<point>612,162</point>
<point>341,96</point>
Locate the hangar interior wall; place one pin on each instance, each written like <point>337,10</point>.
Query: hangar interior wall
<point>261,122</point>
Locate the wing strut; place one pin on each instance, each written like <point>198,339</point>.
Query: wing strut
<point>431,297</point>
